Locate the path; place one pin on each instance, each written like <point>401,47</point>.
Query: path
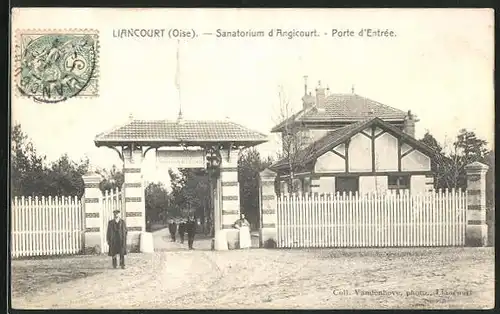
<point>260,278</point>
<point>149,281</point>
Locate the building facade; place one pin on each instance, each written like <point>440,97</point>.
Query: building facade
<point>348,143</point>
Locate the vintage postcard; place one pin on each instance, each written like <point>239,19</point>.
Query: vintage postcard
<point>252,158</point>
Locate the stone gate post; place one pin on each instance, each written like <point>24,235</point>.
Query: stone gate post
<point>93,214</point>
<point>133,189</point>
<point>476,232</point>
<point>229,197</point>
<point>268,207</point>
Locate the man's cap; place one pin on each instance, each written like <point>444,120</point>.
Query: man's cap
<point>116,211</point>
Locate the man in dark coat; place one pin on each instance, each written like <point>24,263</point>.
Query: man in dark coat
<point>172,227</point>
<point>182,229</point>
<point>191,230</point>
<point>117,239</point>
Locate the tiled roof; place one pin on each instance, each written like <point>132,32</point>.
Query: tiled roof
<point>189,131</point>
<point>345,107</point>
<point>340,135</point>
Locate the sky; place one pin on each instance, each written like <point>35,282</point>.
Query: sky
<point>440,65</point>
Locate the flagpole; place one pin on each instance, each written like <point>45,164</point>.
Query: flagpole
<point>178,81</point>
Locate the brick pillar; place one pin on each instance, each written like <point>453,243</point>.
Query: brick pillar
<point>93,214</point>
<point>229,204</point>
<point>476,233</point>
<point>268,207</point>
<point>133,188</point>
<point>429,182</point>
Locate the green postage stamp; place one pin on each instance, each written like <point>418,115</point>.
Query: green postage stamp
<point>55,65</point>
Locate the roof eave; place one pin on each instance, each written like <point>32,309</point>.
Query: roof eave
<point>351,120</point>
<point>280,127</point>
<point>176,142</point>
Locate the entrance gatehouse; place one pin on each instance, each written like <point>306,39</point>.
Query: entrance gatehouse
<point>212,145</point>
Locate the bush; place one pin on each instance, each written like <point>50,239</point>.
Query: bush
<point>92,250</point>
<point>270,244</point>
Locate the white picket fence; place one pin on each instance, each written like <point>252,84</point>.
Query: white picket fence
<point>110,201</point>
<point>46,226</point>
<point>383,220</point>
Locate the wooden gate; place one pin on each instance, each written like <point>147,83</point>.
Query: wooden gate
<point>111,200</point>
<point>383,220</point>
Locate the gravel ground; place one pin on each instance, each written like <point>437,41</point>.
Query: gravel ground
<point>175,277</point>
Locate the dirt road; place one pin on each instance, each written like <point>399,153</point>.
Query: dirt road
<point>175,277</point>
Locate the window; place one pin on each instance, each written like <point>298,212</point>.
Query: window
<point>346,184</point>
<point>398,183</point>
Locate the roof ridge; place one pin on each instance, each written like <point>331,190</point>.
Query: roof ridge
<point>383,105</point>
<point>366,98</point>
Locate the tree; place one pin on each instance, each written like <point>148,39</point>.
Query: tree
<point>27,168</point>
<point>113,179</point>
<point>32,175</point>
<point>177,199</point>
<point>196,192</point>
<point>431,141</point>
<point>467,149</point>
<point>440,164</point>
<point>450,159</point>
<point>157,201</point>
<point>295,139</point>
<point>64,177</point>
<point>190,193</point>
<point>250,164</point>
<point>470,146</point>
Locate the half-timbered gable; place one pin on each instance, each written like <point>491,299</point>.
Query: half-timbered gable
<point>366,156</point>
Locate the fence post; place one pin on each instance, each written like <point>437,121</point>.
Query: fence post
<point>134,197</point>
<point>476,232</point>
<point>268,209</point>
<point>229,206</point>
<point>93,213</point>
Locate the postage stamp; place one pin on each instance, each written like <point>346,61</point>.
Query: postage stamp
<point>55,65</point>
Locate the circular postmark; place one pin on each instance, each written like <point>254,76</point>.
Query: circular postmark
<point>56,67</point>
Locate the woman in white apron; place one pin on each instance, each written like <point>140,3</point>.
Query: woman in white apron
<point>244,227</point>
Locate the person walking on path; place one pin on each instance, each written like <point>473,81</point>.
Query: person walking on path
<point>116,237</point>
<point>172,227</point>
<point>191,230</point>
<point>244,227</point>
<point>182,229</point>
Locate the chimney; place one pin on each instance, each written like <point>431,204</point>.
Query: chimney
<point>307,99</point>
<point>320,96</point>
<point>409,124</point>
